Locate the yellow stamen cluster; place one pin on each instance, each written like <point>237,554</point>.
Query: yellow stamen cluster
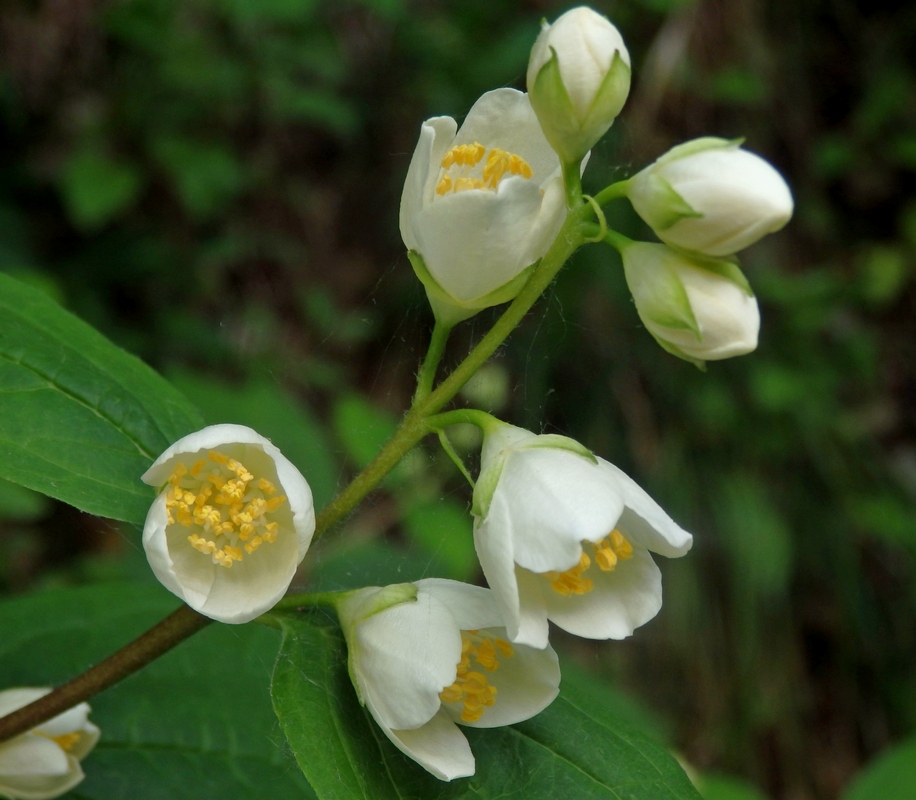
<point>465,157</point>
<point>611,549</point>
<point>471,687</point>
<point>225,505</point>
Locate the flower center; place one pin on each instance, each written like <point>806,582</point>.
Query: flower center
<point>66,741</point>
<point>464,167</point>
<point>227,509</point>
<point>471,687</point>
<point>608,552</point>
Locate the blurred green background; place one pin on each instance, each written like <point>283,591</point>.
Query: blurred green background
<point>214,184</point>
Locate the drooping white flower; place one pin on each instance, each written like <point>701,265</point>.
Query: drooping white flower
<point>425,656</point>
<point>45,762</point>
<point>578,80</point>
<point>697,308</point>
<point>232,521</point>
<point>711,196</point>
<point>480,204</point>
<point>565,536</point>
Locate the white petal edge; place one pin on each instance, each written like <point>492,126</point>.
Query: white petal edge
<point>438,746</point>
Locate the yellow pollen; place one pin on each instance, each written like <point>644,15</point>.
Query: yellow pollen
<point>471,687</point>
<point>240,512</point>
<point>608,552</point>
<point>461,171</point>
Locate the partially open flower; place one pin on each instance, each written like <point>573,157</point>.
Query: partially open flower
<point>578,80</point>
<point>425,656</point>
<point>711,196</point>
<point>45,762</point>
<point>232,521</point>
<point>565,536</point>
<point>697,308</point>
<point>480,204</point>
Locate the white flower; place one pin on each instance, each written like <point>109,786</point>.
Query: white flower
<point>231,523</point>
<point>425,656</point>
<point>578,80</point>
<point>710,196</point>
<point>697,308</point>
<point>45,762</point>
<point>481,205</point>
<point>565,536</point>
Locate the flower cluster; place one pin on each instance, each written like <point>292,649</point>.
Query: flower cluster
<point>561,535</point>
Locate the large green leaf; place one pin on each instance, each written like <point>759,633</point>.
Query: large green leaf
<point>572,749</point>
<point>82,419</point>
<point>194,725</point>
<point>891,776</point>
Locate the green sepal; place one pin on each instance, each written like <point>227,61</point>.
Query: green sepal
<point>677,313</point>
<point>554,441</point>
<point>570,136</point>
<point>727,267</point>
<point>700,145</point>
<point>450,311</point>
<point>669,207</point>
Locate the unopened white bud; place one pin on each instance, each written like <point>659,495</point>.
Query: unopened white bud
<point>578,80</point>
<point>697,308</point>
<point>710,196</point>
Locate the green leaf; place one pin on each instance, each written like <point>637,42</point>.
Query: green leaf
<point>441,529</point>
<point>572,749</point>
<point>891,776</point>
<point>82,419</point>
<point>194,725</point>
<point>724,787</point>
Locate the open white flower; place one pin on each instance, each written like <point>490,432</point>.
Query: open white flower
<point>231,523</point>
<point>697,308</point>
<point>481,204</point>
<point>45,762</point>
<point>565,536</point>
<point>711,196</point>
<point>578,80</point>
<point>425,656</point>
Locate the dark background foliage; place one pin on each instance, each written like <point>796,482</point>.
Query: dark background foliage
<point>214,184</point>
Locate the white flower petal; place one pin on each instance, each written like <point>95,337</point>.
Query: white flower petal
<point>13,699</point>
<point>404,656</point>
<point>473,241</point>
<point>253,585</point>
<point>470,606</point>
<point>620,602</point>
<point>556,499</point>
<point>526,683</point>
<point>533,629</point>
<point>72,720</point>
<point>644,521</point>
<point>31,755</point>
<point>438,746</point>
<point>494,550</point>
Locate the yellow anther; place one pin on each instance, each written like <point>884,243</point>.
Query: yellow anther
<point>611,549</point>
<point>605,558</point>
<point>471,687</point>
<point>463,155</point>
<point>571,582</point>
<point>499,162</point>
<point>621,546</point>
<point>229,502</point>
<point>66,741</point>
<point>445,185</point>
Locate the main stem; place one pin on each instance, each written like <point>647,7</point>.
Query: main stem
<point>159,639</point>
<point>184,622</point>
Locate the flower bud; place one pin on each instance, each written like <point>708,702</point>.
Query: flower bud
<point>710,196</point>
<point>578,80</point>
<point>699,309</point>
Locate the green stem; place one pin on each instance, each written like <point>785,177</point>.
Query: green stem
<point>159,639</point>
<point>467,416</point>
<point>612,192</point>
<point>415,423</point>
<point>456,459</point>
<point>181,624</point>
<point>617,240</point>
<point>295,602</point>
<point>427,374</point>
<point>572,180</point>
